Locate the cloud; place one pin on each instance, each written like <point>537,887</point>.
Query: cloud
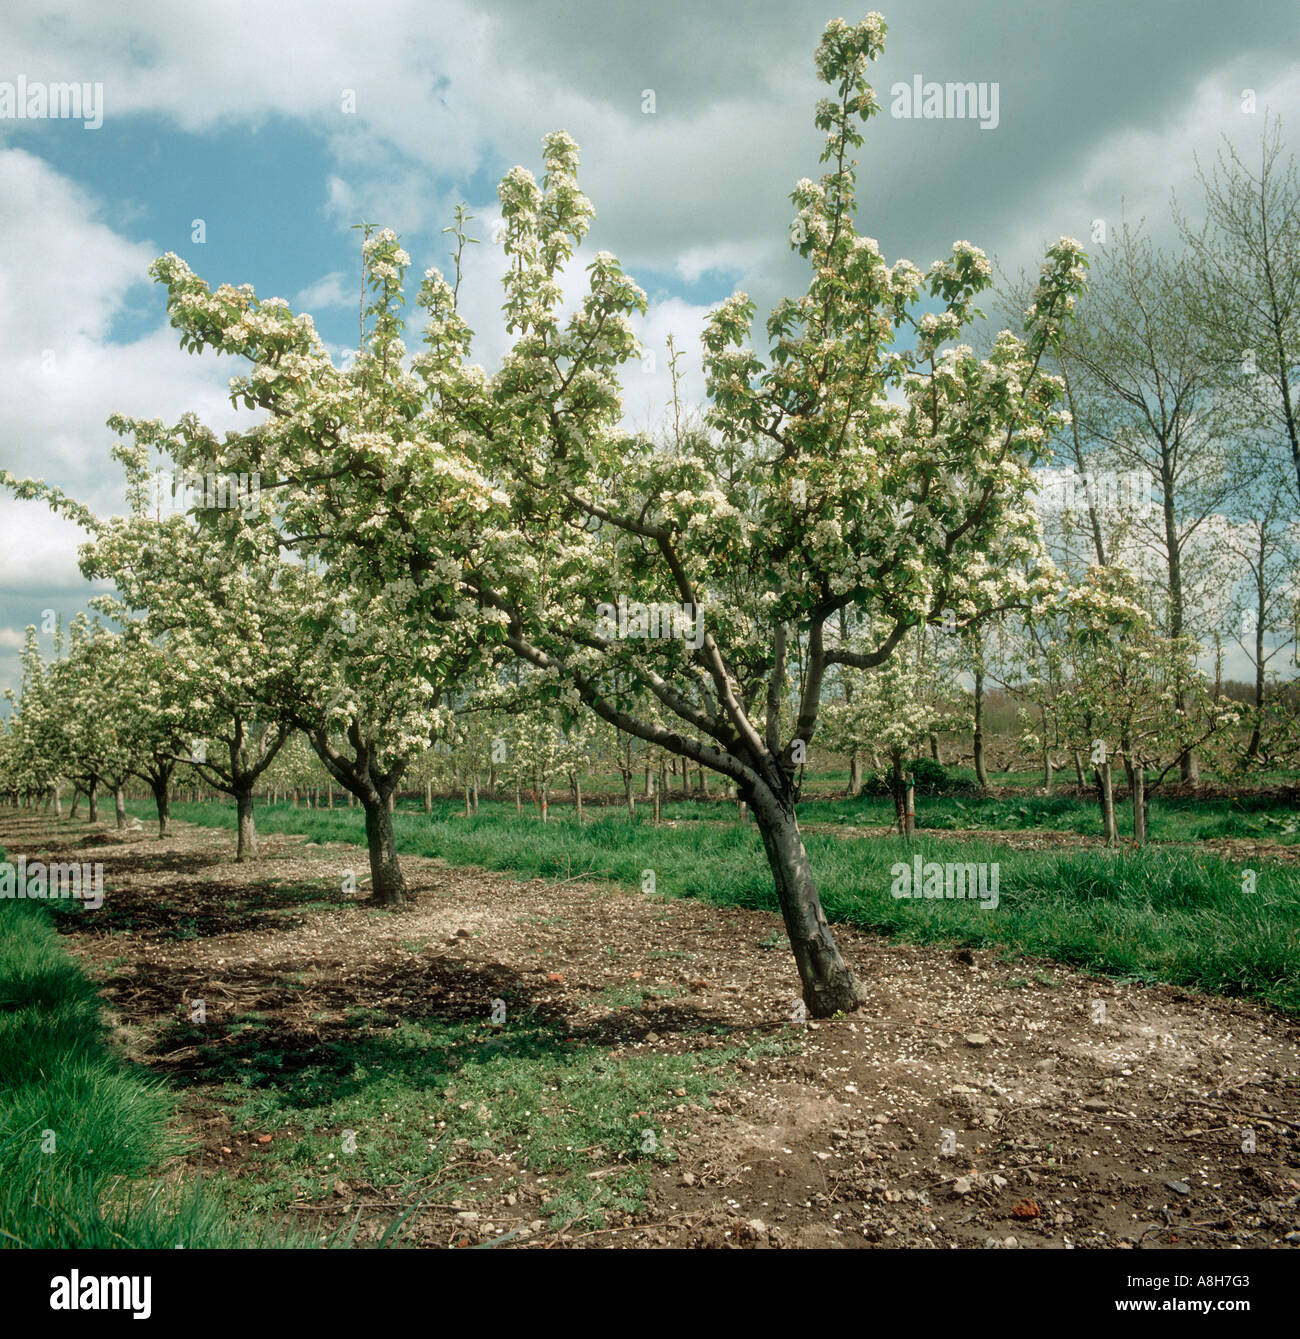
<point>65,277</point>
<point>327,292</point>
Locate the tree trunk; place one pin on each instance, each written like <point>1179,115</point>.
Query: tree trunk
<point>1261,613</point>
<point>934,747</point>
<point>161,804</point>
<point>828,984</point>
<point>1107,787</point>
<point>628,796</point>
<point>428,797</point>
<point>92,799</point>
<point>247,848</point>
<point>58,801</point>
<point>386,880</point>
<point>576,782</point>
<point>1139,804</point>
<point>1188,765</point>
<point>896,786</point>
<point>119,806</point>
<point>1078,769</point>
<point>855,775</point>
<point>76,801</point>
<point>980,774</point>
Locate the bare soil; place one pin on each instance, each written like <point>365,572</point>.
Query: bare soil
<point>973,1102</point>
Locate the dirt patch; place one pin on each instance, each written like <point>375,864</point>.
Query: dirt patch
<point>973,1102</point>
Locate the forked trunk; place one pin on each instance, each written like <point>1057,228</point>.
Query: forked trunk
<point>829,986</point>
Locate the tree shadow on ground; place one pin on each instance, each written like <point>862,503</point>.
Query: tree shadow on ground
<point>326,1032</point>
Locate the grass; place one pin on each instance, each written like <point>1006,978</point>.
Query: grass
<point>1167,914</point>
<point>1181,818</point>
<point>80,1129</point>
<point>387,1106</point>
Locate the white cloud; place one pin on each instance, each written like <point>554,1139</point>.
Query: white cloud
<point>1132,172</point>
<point>327,292</point>
<point>65,277</point>
<point>40,550</point>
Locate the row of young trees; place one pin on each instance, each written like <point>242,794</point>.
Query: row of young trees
<point>432,538</point>
<point>527,749</point>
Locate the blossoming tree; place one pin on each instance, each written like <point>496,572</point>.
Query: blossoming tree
<point>230,650</point>
<point>869,464</point>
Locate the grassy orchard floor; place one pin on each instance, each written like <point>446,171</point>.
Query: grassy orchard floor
<point>80,1127</point>
<point>626,1013</point>
<point>586,1124</point>
<point>1183,818</point>
<point>1161,914</point>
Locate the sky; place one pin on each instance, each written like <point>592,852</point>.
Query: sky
<point>251,138</point>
